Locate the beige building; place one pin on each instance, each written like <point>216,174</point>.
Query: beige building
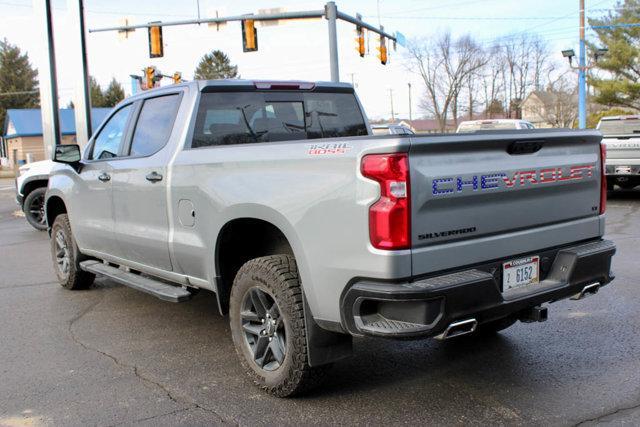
<point>549,109</point>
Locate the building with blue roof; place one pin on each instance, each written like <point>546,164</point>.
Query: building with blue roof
<point>22,132</point>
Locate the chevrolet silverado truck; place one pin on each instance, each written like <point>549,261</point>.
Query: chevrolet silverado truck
<point>621,136</point>
<point>276,197</point>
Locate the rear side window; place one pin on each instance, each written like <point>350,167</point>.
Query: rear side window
<point>107,143</point>
<point>226,118</point>
<point>624,126</point>
<point>154,124</point>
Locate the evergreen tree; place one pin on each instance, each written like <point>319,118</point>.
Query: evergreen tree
<point>620,86</point>
<point>95,92</point>
<point>18,80</point>
<point>113,94</point>
<point>215,65</point>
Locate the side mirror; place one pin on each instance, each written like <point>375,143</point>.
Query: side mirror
<point>67,153</point>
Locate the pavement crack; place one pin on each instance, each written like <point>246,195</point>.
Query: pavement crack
<point>145,379</point>
<point>153,417</point>
<point>28,285</point>
<point>608,414</point>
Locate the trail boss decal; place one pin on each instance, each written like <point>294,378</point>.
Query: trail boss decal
<point>328,149</point>
<point>524,178</point>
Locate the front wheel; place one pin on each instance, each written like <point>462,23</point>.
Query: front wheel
<point>66,256</point>
<point>267,325</point>
<point>33,208</point>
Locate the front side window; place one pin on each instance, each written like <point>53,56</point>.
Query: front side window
<point>108,142</point>
<point>247,117</point>
<point>154,124</point>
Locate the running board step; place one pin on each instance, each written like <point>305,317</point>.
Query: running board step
<point>156,288</point>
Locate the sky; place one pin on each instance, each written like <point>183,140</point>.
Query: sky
<point>293,50</point>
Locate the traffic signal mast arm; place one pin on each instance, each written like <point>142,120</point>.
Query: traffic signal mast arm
<point>249,34</point>
<point>258,17</point>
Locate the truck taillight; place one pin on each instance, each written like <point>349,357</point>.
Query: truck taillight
<point>390,215</point>
<point>603,178</point>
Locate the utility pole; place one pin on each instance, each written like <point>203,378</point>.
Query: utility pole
<point>393,115</point>
<point>331,13</point>
<point>410,116</point>
<point>48,81</point>
<point>582,70</point>
<point>82,99</point>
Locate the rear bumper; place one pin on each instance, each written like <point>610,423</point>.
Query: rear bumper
<point>425,307</point>
<point>624,173</point>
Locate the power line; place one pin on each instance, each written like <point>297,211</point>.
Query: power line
<point>481,18</point>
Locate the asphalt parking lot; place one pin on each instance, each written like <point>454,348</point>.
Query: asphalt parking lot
<point>112,356</point>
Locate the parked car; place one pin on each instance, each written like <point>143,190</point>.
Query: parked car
<point>31,186</point>
<point>491,124</point>
<point>390,129</point>
<point>621,135</point>
<point>275,196</point>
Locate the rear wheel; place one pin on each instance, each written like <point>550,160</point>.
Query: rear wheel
<point>268,328</point>
<point>66,257</point>
<point>33,208</point>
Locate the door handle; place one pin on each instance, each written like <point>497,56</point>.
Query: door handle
<point>154,177</point>
<point>104,177</point>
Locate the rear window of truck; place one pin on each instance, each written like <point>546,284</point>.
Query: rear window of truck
<point>226,118</point>
<point>625,126</point>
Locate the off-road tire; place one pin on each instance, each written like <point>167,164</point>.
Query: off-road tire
<point>37,220</point>
<point>73,278</point>
<point>277,275</point>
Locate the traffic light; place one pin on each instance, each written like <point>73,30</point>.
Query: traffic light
<point>360,46</point>
<point>151,76</point>
<point>382,56</point>
<point>249,36</point>
<point>156,49</point>
<point>177,77</point>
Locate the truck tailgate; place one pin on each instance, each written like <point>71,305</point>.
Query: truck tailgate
<point>486,193</point>
<point>627,148</point>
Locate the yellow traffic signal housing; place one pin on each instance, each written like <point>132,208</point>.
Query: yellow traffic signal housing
<point>249,36</point>
<point>360,46</point>
<point>382,56</point>
<point>150,77</point>
<point>177,77</point>
<point>156,49</point>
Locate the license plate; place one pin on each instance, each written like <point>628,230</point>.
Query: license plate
<point>521,272</point>
<point>623,170</point>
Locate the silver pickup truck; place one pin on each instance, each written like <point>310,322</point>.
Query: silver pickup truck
<point>621,136</point>
<point>276,197</point>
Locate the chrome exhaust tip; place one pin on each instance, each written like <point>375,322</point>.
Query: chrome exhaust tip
<point>591,289</point>
<point>456,329</point>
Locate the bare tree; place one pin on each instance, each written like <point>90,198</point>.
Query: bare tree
<point>445,65</point>
<point>526,60</point>
<point>557,105</point>
<point>492,81</point>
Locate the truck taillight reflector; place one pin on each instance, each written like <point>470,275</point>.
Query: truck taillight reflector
<point>390,215</point>
<point>603,178</point>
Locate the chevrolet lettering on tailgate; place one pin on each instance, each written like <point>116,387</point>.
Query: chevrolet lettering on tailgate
<point>458,184</point>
